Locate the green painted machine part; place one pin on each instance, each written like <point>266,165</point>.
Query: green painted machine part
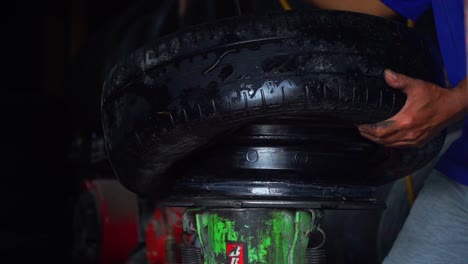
<point>254,236</point>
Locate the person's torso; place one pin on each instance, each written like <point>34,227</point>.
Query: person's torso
<point>449,19</point>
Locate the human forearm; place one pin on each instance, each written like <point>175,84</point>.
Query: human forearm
<point>372,7</point>
<point>461,95</point>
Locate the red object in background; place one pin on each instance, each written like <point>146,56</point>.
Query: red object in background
<point>107,230</point>
<point>157,233</point>
<point>117,209</point>
<point>235,253</point>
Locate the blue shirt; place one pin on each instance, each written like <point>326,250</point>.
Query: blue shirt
<point>449,20</point>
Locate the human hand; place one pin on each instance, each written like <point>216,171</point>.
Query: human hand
<point>427,111</point>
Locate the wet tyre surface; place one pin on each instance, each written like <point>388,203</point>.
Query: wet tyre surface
<point>269,99</point>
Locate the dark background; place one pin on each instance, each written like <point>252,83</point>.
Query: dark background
<point>41,115</point>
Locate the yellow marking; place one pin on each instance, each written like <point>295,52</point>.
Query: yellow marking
<point>285,4</point>
<point>410,189</point>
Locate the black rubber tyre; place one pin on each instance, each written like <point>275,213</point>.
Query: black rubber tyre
<point>185,90</point>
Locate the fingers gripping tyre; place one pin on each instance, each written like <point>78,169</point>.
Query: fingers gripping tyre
<point>186,90</point>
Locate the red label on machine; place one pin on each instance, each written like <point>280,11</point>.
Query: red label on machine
<point>235,253</point>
